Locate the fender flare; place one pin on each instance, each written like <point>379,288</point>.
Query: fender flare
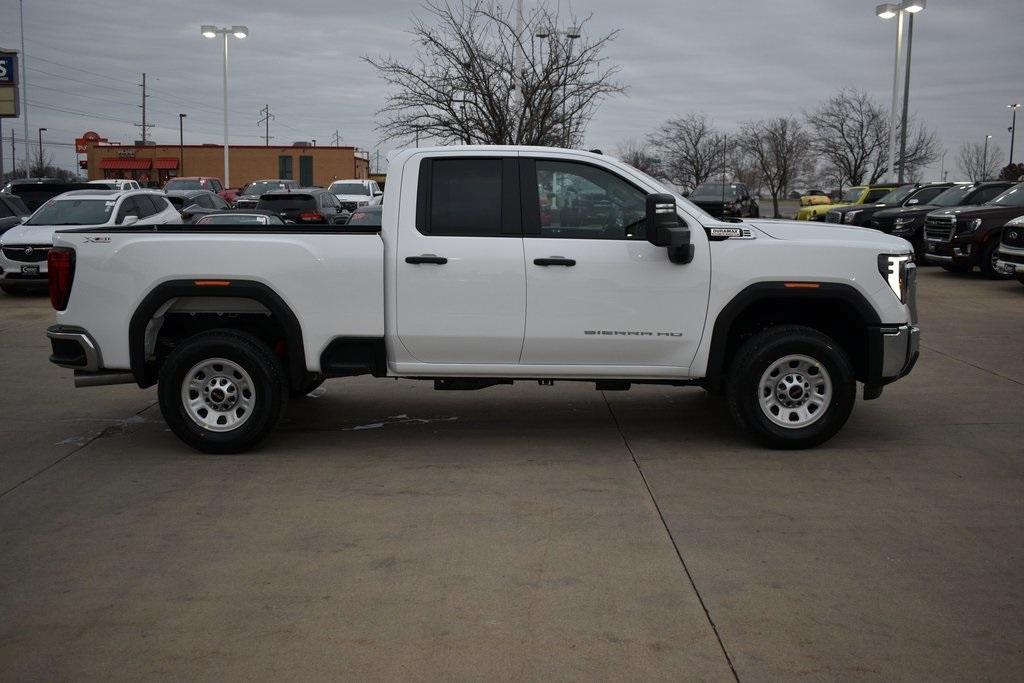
<point>762,291</point>
<point>146,375</point>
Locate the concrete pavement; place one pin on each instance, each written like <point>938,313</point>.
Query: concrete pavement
<point>390,531</point>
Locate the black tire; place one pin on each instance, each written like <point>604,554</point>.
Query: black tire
<point>955,268</point>
<point>269,389</point>
<point>988,262</point>
<point>757,356</point>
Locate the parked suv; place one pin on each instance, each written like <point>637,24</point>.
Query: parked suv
<point>355,193</point>
<point>1011,248</point>
<point>906,195</point>
<point>907,221</point>
<point>249,196</point>
<point>12,212</point>
<point>201,183</point>
<point>35,192</point>
<point>960,238</point>
<point>192,203</point>
<point>725,200</point>
<point>24,248</point>
<point>308,205</point>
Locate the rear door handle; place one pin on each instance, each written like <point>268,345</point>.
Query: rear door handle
<point>554,261</point>
<point>427,258</point>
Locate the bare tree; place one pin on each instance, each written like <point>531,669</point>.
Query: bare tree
<point>850,133</point>
<point>779,146</point>
<point>745,169</point>
<point>691,150</point>
<point>976,164</point>
<point>639,155</point>
<point>478,78</point>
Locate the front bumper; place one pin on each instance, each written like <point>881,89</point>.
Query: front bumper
<point>959,252</point>
<point>893,351</point>
<point>1011,259</point>
<point>13,273</point>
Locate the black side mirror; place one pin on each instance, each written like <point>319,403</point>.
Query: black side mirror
<point>664,230</point>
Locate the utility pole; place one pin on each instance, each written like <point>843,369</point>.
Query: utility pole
<point>2,149</point>
<point>14,163</point>
<point>181,144</point>
<point>144,126</point>
<point>265,120</point>
<point>1013,127</point>
<point>336,138</point>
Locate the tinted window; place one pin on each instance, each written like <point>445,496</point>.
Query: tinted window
<point>465,197</point>
<point>128,208</point>
<point>715,191</point>
<point>219,202</point>
<point>895,196</point>
<point>159,202</point>
<point>926,195</point>
<point>875,195</point>
<point>182,184</point>
<point>581,201</point>
<point>4,211</point>
<point>287,202</point>
<point>349,188</point>
<point>17,206</point>
<point>215,185</point>
<point>144,206</point>
<point>986,194</point>
<point>851,195</point>
<point>177,202</point>
<point>1012,197</point>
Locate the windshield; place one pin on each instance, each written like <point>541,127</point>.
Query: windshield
<point>263,187</point>
<point>73,212</point>
<point>349,188</point>
<point>183,185</point>
<point>852,195</point>
<point>954,196</point>
<point>1012,197</point>
<point>714,191</point>
<point>898,195</point>
<point>239,219</point>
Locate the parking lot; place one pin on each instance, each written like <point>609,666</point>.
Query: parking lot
<point>390,531</point>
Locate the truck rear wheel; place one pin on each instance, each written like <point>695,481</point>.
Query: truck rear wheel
<point>222,391</point>
<point>791,386</point>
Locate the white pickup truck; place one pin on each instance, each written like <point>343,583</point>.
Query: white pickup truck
<point>491,265</point>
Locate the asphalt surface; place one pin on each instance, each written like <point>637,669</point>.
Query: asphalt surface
<point>389,531</point>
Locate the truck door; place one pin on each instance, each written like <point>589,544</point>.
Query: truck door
<point>461,281</point>
<point>598,293</point>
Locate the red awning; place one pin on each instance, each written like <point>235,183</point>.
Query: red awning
<point>165,163</point>
<point>125,164</point>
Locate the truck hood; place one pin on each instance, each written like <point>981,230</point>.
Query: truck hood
<point>804,231</point>
<point>915,210</point>
<point>981,211</point>
<point>29,234</point>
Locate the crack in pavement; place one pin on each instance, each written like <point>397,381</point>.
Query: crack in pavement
<point>116,428</point>
<point>966,362</point>
<point>671,538</point>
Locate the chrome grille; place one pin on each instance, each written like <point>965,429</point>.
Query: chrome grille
<point>31,253</point>
<point>939,229</point>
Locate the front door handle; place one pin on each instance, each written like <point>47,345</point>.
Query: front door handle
<point>427,258</point>
<point>554,261</point>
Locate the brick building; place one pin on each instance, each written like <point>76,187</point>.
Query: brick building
<point>155,164</point>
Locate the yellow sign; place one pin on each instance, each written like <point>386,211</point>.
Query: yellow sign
<point>9,101</point>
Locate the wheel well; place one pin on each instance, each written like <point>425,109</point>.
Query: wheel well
<point>176,311</point>
<point>838,311</point>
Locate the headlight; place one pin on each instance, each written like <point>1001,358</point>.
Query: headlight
<point>972,225</point>
<point>850,215</point>
<point>893,269</point>
<point>362,203</point>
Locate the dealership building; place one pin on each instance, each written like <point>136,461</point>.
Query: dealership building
<point>154,165</point>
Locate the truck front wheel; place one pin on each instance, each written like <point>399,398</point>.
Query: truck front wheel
<point>791,386</point>
<point>222,391</point>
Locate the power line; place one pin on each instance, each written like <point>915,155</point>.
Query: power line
<point>265,119</point>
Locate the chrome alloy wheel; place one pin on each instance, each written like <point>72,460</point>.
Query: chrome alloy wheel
<point>218,394</point>
<point>795,391</point>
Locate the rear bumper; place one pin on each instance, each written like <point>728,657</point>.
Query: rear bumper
<point>74,348</point>
<point>893,351</point>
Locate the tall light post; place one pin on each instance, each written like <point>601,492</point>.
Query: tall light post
<point>24,87</point>
<point>888,11</point>
<point>181,144</point>
<point>40,150</point>
<point>239,32</point>
<point>1013,126</point>
<point>984,159</point>
<point>571,34</point>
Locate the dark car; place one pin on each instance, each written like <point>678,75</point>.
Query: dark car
<point>960,238</point>
<point>12,211</point>
<point>201,183</point>
<point>240,218</point>
<point>34,192</point>
<point>306,206</point>
<point>907,221</point>
<point>725,200</point>
<point>366,218</point>
<point>192,203</point>
<point>249,196</point>
<point>906,195</point>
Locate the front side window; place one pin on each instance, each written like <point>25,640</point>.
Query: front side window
<point>987,194</point>
<point>852,195</point>
<point>465,197</point>
<point>876,194</point>
<point>926,195</point>
<point>587,202</point>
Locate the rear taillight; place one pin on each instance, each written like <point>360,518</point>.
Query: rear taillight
<point>61,266</point>
<point>311,217</point>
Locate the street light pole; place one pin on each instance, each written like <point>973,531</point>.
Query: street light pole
<point>40,150</point>
<point>890,10</point>
<point>906,98</point>
<point>239,32</point>
<point>181,144</point>
<point>984,160</point>
<point>1013,126</point>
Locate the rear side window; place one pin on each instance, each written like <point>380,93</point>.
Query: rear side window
<point>465,197</point>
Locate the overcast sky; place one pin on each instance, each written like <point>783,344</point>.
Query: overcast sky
<point>734,60</point>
